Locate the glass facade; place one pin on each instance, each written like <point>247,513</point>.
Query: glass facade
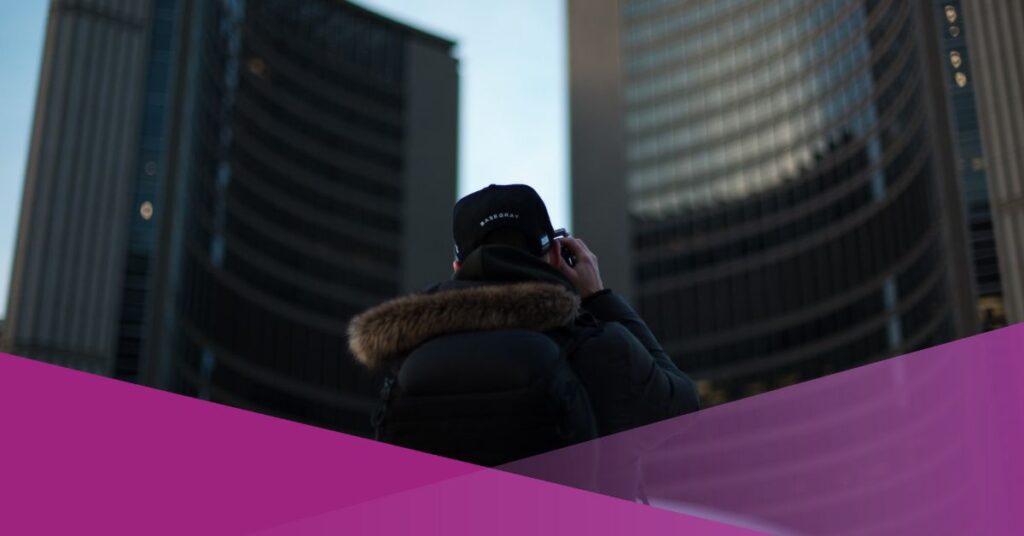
<point>970,159</point>
<point>216,187</point>
<point>781,191</point>
<point>293,208</point>
<point>150,176</point>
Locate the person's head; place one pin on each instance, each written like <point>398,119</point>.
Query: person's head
<point>510,215</point>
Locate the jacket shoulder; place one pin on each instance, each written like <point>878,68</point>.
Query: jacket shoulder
<point>478,361</point>
<point>606,351</point>
<point>603,334</point>
<point>611,364</point>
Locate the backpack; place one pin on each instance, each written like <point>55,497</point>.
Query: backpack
<point>488,397</point>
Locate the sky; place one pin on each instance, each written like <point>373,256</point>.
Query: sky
<point>22,27</point>
<point>513,98</point>
<point>513,110</point>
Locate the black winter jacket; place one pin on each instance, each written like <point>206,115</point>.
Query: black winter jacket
<point>497,300</point>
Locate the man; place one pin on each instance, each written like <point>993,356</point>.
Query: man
<point>522,351</point>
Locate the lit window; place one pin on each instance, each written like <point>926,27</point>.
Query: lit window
<point>961,79</point>
<point>146,210</point>
<point>950,14</point>
<point>955,59</point>
<point>954,31</point>
<point>257,66</point>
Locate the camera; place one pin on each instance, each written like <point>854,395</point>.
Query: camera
<point>567,254</point>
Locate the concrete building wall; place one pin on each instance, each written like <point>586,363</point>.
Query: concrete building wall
<point>66,280</point>
<point>994,33</point>
<point>431,164</point>
<point>597,166</point>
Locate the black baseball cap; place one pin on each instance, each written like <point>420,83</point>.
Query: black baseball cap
<point>515,206</point>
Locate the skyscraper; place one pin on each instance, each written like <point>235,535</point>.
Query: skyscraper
<point>325,189</point>
<point>955,56</point>
<point>287,166</point>
<point>996,45</point>
<point>788,206</point>
<point>73,231</point>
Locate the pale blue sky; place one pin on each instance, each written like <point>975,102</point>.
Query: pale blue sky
<point>513,112</point>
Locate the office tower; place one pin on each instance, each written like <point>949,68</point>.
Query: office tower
<point>789,208</point>
<point>325,187</point>
<point>995,44</point>
<point>955,56</point>
<point>73,231</point>
<point>289,165</point>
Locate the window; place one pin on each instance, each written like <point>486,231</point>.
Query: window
<point>954,59</point>
<point>257,67</point>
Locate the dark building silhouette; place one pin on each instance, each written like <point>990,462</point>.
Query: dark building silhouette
<point>992,29</point>
<point>67,273</point>
<point>286,166</point>
<point>790,209</point>
<point>954,54</point>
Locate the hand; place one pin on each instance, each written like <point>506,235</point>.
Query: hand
<point>585,276</point>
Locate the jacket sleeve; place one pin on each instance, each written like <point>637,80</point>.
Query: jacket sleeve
<point>656,389</point>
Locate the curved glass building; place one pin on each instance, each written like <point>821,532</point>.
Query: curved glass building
<point>304,156</point>
<point>788,213</point>
<point>228,183</point>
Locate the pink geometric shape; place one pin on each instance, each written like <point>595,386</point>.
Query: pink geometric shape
<point>495,503</point>
<point>928,443</point>
<point>922,444</point>
<point>82,454</point>
<point>86,454</point>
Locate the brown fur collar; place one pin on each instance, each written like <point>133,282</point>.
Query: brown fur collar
<point>393,329</point>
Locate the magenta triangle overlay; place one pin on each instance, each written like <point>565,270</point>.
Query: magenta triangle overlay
<point>929,442</point>
<point>497,503</point>
<point>82,454</point>
<point>93,452</point>
<point>926,443</point>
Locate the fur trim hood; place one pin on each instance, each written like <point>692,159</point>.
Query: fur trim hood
<point>393,329</point>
